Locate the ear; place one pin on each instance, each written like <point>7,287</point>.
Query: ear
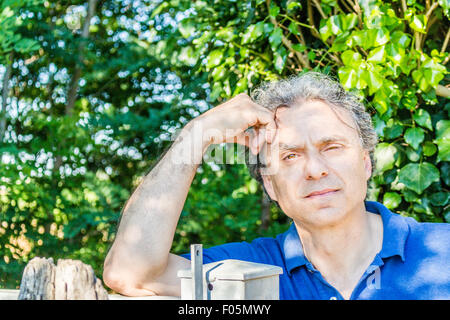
<point>367,165</point>
<point>268,185</point>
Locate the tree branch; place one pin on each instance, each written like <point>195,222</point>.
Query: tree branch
<point>404,7</point>
<point>442,91</point>
<point>430,11</point>
<point>304,62</point>
<point>319,8</point>
<point>445,44</point>
<point>74,83</point>
<point>5,93</point>
<point>344,3</point>
<point>314,31</point>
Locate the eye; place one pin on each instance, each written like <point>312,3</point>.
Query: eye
<point>288,157</point>
<point>333,147</point>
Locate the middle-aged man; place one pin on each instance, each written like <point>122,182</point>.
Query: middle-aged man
<point>315,143</point>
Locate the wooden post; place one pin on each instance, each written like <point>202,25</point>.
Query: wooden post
<point>68,280</point>
<point>197,271</point>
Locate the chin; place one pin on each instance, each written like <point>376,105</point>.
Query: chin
<point>318,216</point>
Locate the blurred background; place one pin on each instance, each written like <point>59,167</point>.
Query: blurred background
<point>93,91</point>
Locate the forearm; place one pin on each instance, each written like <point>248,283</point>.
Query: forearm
<point>149,219</point>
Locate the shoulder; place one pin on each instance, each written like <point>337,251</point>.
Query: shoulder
<point>431,237</point>
<point>260,250</point>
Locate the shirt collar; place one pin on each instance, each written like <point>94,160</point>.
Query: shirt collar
<point>395,230</point>
<point>395,233</point>
<point>292,249</point>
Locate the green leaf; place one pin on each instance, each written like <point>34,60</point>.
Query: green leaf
<point>299,47</point>
<point>418,23</point>
<point>369,38</point>
<point>384,156</point>
<point>293,4</point>
<point>419,78</point>
<point>374,80</point>
<point>377,37</point>
<point>26,45</point>
<point>377,55</point>
<point>409,195</point>
<point>188,56</point>
<point>393,129</point>
<point>214,58</point>
<point>440,198</point>
<point>433,76</point>
<point>400,39</point>
<point>414,137</point>
<point>254,31</point>
<point>325,30</point>
<point>158,9</point>
<point>279,59</point>
<point>422,117</point>
<point>429,148</point>
<point>443,140</point>
<point>409,99</point>
<point>226,34</point>
<point>445,4</point>
<point>445,173</point>
<point>274,10</point>
<point>218,73</point>
<point>186,27</point>
<point>241,86</point>
<point>349,21</point>
<point>293,28</point>
<point>311,56</point>
<point>429,74</point>
<point>412,154</point>
<point>418,176</point>
<point>348,77</point>
<point>392,200</point>
<point>275,38</point>
<point>351,58</point>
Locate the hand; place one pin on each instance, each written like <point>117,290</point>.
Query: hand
<point>229,122</point>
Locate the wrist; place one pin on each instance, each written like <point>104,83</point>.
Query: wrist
<point>196,129</point>
<point>194,140</point>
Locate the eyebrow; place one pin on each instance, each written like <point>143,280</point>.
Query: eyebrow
<point>322,141</point>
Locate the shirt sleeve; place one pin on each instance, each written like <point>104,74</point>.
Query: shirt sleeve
<point>255,251</point>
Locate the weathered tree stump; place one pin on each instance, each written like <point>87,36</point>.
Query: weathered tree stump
<point>68,280</point>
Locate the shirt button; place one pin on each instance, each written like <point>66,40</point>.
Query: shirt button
<point>333,298</point>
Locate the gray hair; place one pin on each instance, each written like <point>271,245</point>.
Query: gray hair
<point>313,86</point>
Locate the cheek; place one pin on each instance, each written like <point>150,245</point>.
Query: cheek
<point>354,173</point>
<point>286,183</point>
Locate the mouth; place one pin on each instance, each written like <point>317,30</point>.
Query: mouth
<point>321,193</point>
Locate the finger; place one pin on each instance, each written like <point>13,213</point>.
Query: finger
<point>256,140</point>
<point>271,131</point>
<point>247,138</point>
<point>266,119</point>
<point>261,139</point>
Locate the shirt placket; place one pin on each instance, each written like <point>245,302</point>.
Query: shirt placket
<point>363,282</point>
<point>326,290</point>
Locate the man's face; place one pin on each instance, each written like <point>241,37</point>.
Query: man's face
<point>317,149</point>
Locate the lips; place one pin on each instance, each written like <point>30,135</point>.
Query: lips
<point>323,192</point>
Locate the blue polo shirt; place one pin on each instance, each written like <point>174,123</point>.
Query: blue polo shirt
<point>414,262</point>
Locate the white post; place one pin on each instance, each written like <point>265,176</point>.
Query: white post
<point>197,271</point>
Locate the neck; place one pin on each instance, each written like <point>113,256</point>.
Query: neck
<point>345,248</point>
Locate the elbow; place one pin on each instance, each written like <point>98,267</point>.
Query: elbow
<point>123,285</point>
<point>113,280</point>
<point>123,282</point>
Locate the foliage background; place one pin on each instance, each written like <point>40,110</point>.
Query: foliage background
<point>92,92</point>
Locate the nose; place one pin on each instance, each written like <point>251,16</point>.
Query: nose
<point>315,168</point>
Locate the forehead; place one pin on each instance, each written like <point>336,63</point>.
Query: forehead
<point>313,121</point>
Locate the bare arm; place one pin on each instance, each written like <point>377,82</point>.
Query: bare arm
<point>139,262</point>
